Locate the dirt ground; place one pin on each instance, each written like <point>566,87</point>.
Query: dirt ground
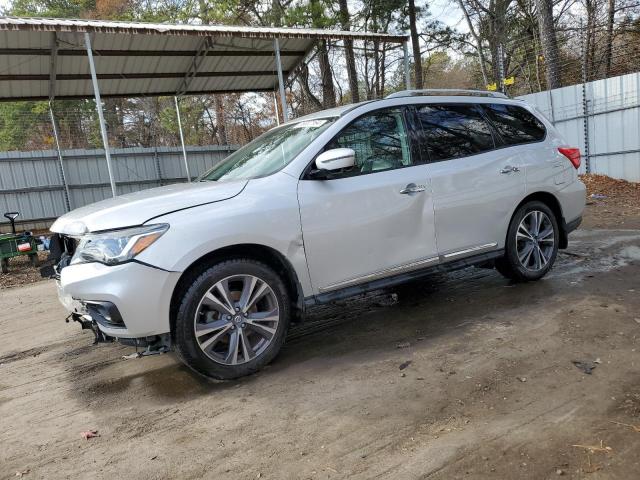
<point>461,376</point>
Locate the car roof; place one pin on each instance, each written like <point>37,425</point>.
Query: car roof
<point>333,112</point>
<point>416,96</point>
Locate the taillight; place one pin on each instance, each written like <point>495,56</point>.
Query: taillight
<point>573,154</point>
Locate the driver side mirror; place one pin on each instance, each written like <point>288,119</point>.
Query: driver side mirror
<point>336,159</point>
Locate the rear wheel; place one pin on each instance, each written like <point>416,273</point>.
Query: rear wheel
<point>4,265</point>
<point>233,319</point>
<point>532,243</point>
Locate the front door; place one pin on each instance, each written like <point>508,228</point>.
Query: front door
<point>375,220</point>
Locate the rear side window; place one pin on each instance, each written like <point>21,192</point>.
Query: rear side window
<point>515,124</point>
<point>452,131</point>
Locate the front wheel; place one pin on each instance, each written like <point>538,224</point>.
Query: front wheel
<point>233,319</point>
<point>532,243</point>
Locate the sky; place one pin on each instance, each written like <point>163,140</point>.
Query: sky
<point>447,12</point>
<point>444,10</point>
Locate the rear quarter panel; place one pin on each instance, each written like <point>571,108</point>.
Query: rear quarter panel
<point>547,170</point>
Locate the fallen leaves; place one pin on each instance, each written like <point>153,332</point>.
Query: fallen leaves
<point>89,434</point>
<point>591,467</point>
<point>21,272</point>
<point>595,448</point>
<point>635,428</point>
<point>611,187</point>
<point>586,367</point>
<point>404,365</point>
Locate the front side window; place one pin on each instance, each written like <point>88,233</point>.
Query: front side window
<point>515,124</point>
<point>452,131</point>
<point>379,140</point>
<point>269,152</point>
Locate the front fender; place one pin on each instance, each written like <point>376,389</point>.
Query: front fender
<point>265,213</point>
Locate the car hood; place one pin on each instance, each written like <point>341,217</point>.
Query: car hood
<point>139,207</point>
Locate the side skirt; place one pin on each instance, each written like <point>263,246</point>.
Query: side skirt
<point>391,281</point>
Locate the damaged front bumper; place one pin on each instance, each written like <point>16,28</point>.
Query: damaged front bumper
<point>101,316</point>
<point>128,302</point>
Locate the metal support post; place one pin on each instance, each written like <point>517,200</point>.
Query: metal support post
<point>501,72</point>
<point>553,112</point>
<point>585,101</point>
<point>63,177</point>
<point>103,127</point>
<point>283,98</point>
<point>184,149</point>
<point>275,109</point>
<point>407,72</point>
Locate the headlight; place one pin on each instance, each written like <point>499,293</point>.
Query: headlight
<point>116,246</point>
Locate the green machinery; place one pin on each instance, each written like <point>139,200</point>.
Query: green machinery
<point>14,244</point>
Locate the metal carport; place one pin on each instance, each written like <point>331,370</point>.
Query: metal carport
<point>45,59</point>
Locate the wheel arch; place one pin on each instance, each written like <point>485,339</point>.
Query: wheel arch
<point>551,201</point>
<point>261,253</point>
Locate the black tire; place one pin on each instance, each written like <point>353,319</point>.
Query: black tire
<point>33,259</point>
<point>510,265</point>
<point>4,265</point>
<point>187,344</point>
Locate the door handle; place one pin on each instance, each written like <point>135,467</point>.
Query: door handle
<point>412,188</point>
<point>509,169</point>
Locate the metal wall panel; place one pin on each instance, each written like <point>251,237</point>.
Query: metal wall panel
<point>611,126</point>
<point>30,182</point>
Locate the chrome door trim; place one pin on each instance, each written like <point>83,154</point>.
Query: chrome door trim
<point>469,250</point>
<point>413,188</point>
<point>509,169</point>
<point>381,274</point>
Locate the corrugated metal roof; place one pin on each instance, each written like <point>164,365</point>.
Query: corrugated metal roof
<point>145,59</point>
<point>104,26</point>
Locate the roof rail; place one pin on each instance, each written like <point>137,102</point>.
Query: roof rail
<point>445,92</point>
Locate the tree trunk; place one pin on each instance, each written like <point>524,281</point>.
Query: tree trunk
<point>350,56</point>
<point>415,44</point>
<point>609,42</point>
<point>218,101</point>
<point>481,56</point>
<point>549,43</point>
<point>328,92</point>
<point>590,40</point>
<point>303,79</point>
<point>376,64</point>
<point>220,120</point>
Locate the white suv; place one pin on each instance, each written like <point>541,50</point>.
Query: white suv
<point>323,207</point>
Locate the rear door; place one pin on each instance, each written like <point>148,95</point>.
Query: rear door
<point>475,182</point>
<point>375,220</point>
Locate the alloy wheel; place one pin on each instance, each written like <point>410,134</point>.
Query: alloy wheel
<point>535,240</point>
<point>236,319</point>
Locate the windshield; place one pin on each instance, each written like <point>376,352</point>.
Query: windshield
<point>269,152</point>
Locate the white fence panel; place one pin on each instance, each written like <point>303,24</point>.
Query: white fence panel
<point>611,126</point>
<point>30,182</point>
